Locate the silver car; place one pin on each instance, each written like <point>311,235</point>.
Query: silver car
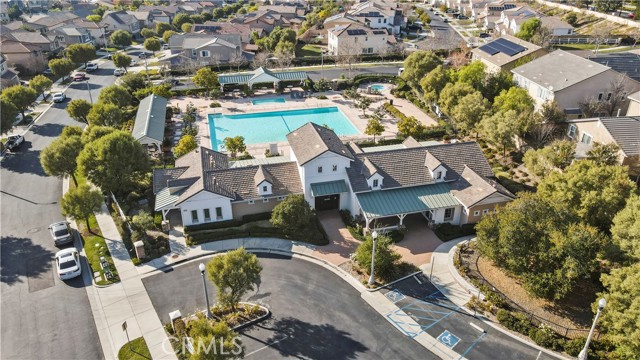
<point>61,233</point>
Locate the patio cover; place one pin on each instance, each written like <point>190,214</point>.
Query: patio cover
<point>261,75</point>
<point>406,200</point>
<point>329,188</point>
<point>165,199</point>
<point>150,120</point>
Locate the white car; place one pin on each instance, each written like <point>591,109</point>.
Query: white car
<point>91,67</point>
<point>59,97</point>
<point>68,264</point>
<point>118,72</point>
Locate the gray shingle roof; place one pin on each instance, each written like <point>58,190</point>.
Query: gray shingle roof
<point>161,177</point>
<point>150,119</point>
<point>625,130</point>
<point>285,180</point>
<point>624,63</point>
<point>472,188</point>
<point>311,140</point>
<point>406,167</point>
<point>559,70</point>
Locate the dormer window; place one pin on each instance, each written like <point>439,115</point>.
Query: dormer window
<point>375,183</point>
<point>265,188</point>
<point>319,169</point>
<point>439,175</point>
<point>335,167</point>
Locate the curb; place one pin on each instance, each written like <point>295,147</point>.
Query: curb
<point>254,321</point>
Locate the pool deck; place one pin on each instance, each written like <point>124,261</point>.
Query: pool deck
<point>334,99</point>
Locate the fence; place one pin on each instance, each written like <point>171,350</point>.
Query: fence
<point>535,320</point>
<point>123,216</point>
<point>584,40</point>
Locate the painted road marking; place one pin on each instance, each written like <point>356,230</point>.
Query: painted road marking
<point>266,346</point>
<point>477,327</point>
<point>448,339</point>
<point>395,296</point>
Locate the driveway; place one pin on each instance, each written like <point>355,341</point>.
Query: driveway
<point>341,243</point>
<point>419,241</point>
<point>315,314</point>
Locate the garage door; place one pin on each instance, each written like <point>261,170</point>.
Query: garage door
<point>328,202</point>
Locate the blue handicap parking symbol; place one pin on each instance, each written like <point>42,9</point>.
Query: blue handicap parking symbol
<point>448,339</point>
<point>395,296</point>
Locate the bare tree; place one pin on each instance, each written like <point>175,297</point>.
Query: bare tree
<point>600,35</point>
<point>237,59</point>
<point>216,59</point>
<point>349,54</point>
<point>261,59</point>
<point>590,107</point>
<point>615,95</point>
<point>458,59</point>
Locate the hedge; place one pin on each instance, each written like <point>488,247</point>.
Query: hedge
<point>430,132</point>
<point>446,231</point>
<point>228,223</point>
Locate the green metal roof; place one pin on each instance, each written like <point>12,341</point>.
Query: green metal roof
<point>406,200</point>
<point>235,79</point>
<point>164,198</point>
<point>329,188</point>
<point>247,77</point>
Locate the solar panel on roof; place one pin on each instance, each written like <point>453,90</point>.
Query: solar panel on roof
<point>507,47</point>
<point>489,49</point>
<point>356,32</point>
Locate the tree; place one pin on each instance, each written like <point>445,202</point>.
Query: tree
<point>61,67</point>
<point>186,144</point>
<point>363,103</point>
<point>616,96</point>
<point>115,162</point>
<point>147,33</point>
<point>20,96</point>
<point>59,158</point>
<point>14,12</point>
<point>121,38</point>
<point>473,74</point>
<point>321,85</point>
<point>167,35</point>
<point>143,221</point>
<point>179,19</point>
<point>292,214</point>
<point>556,156</point>
<point>235,145</point>
<point>94,18</point>
<point>121,60</point>
<point>40,84</point>
<point>186,27</point>
<point>161,27</point>
<point>81,202</point>
<point>261,59</point>
<point>7,116</point>
<point>607,6</point>
<point>500,129</point>
<point>116,95</point>
<point>625,231</point>
<point>133,82</point>
<point>80,53</point>
<point>285,53</point>
<point>207,79</point>
<point>529,28</point>
<point>571,18</point>
<point>552,113</point>
<point>516,99</point>
<point>218,13</point>
<point>419,64</point>
<point>410,126</point>
<point>105,114</point>
<point>594,192</point>
<point>234,274</point>
<point>152,45</point>
<point>495,83</point>
<point>95,132</point>
<point>451,95</point>
<point>469,111</point>
<point>621,317</point>
<point>79,109</point>
<point>374,128</point>
<point>433,83</point>
<point>385,257</point>
<point>225,344</point>
<point>604,154</point>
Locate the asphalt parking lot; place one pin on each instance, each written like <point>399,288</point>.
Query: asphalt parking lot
<point>436,315</point>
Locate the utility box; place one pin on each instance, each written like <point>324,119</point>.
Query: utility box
<point>173,316</point>
<point>139,246</point>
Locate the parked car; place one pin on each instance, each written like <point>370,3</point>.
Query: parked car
<point>462,17</point>
<point>91,67</point>
<point>59,97</point>
<point>61,233</point>
<point>13,142</point>
<point>172,82</point>
<point>79,76</point>
<point>144,55</point>
<point>47,71</point>
<point>445,20</point>
<point>118,72</point>
<point>68,264</point>
<point>165,46</point>
<point>484,35</point>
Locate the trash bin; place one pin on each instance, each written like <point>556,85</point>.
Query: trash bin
<point>391,102</point>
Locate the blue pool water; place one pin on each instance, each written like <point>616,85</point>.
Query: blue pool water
<point>377,87</point>
<point>266,127</point>
<point>266,101</point>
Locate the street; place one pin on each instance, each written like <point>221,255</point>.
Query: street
<point>445,37</point>
<point>42,317</point>
<point>315,314</point>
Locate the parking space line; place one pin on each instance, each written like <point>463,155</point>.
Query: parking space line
<point>266,346</point>
<point>472,345</point>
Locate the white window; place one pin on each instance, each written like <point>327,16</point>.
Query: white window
<point>251,202</point>
<point>335,167</point>
<point>448,213</point>
<point>572,131</point>
<point>379,21</point>
<point>586,139</point>
<point>264,188</point>
<point>205,53</point>
<point>207,215</point>
<point>319,169</point>
<point>194,216</point>
<point>476,213</point>
<point>194,52</point>
<point>485,211</point>
<point>265,200</point>
<point>218,213</point>
<point>375,183</point>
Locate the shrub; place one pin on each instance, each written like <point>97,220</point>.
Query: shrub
<point>180,328</point>
<point>514,321</point>
<point>256,217</point>
<point>385,257</point>
<point>574,346</point>
<point>347,219</point>
<point>215,104</point>
<point>321,97</point>
<point>157,220</point>
<point>545,337</point>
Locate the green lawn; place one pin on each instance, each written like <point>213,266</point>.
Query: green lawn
<point>308,50</point>
<point>581,46</point>
<point>136,349</point>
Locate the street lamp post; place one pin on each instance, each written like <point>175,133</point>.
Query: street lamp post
<point>89,90</point>
<point>206,296</point>
<point>583,354</point>
<point>372,278</point>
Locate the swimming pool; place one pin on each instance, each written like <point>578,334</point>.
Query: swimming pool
<point>378,87</point>
<point>267,101</point>
<point>269,127</point>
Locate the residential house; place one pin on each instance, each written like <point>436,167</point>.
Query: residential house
<point>356,39</point>
<point>204,49</point>
<point>625,63</point>
<point>511,19</point>
<point>25,57</point>
<point>624,131</point>
<point>8,76</point>
<point>121,20</point>
<point>145,18</point>
<point>73,34</point>
<point>378,15</point>
<point>161,13</point>
<point>49,21</point>
<point>264,19</point>
<point>503,53</point>
<point>556,25</point>
<point>634,104</point>
<point>570,80</point>
<point>444,183</point>
<point>286,11</point>
<point>98,32</point>
<point>492,13</point>
<point>227,28</point>
<point>44,42</point>
<point>148,128</point>
<point>4,12</point>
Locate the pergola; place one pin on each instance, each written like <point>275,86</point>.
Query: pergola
<point>261,75</point>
